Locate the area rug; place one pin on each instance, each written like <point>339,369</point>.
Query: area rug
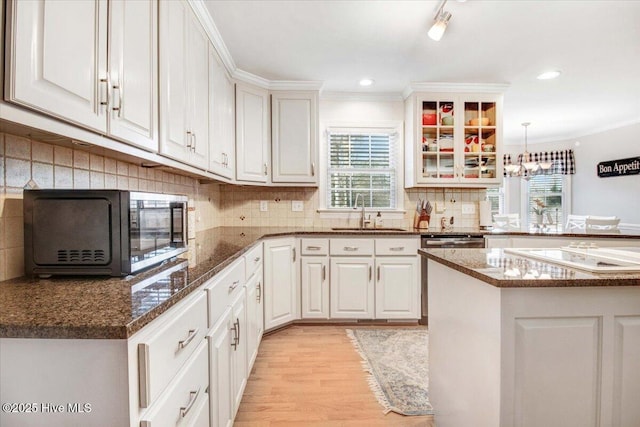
<point>397,363</point>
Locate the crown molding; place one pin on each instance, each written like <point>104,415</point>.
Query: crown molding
<point>210,28</point>
<point>252,79</point>
<point>454,87</point>
<point>295,85</point>
<point>361,96</point>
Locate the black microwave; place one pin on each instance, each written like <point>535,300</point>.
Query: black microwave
<point>101,232</point>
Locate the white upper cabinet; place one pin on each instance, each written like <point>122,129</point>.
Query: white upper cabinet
<point>222,146</point>
<point>184,85</point>
<point>252,133</point>
<point>453,139</point>
<point>59,64</point>
<point>58,59</point>
<point>133,72</point>
<point>294,133</point>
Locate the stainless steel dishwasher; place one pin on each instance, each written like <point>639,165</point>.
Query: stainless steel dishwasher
<point>432,241</point>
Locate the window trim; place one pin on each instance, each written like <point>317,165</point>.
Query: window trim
<point>393,126</point>
<point>566,201</point>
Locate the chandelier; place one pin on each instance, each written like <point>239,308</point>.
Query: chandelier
<point>527,166</point>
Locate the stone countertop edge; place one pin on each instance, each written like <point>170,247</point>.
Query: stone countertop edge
<point>584,279</point>
<point>61,328</point>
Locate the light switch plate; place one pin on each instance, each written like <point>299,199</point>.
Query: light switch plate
<point>264,206</point>
<point>297,206</point>
<point>468,208</point>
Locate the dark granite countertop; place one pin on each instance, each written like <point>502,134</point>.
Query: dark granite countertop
<point>92,307</point>
<point>507,270</point>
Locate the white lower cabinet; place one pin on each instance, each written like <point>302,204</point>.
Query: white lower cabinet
<point>239,346</point>
<point>255,315</point>
<point>315,287</point>
<point>281,285</point>
<point>352,288</point>
<point>397,288</point>
<point>220,339</point>
<point>186,401</point>
<point>236,320</point>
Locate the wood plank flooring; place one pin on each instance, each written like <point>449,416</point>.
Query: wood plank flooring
<point>309,375</point>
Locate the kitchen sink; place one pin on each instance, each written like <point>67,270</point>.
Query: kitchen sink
<point>367,229</point>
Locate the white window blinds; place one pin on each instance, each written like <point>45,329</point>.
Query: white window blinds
<point>362,162</point>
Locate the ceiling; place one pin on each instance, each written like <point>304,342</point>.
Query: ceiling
<point>596,45</point>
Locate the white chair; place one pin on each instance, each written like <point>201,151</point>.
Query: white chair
<point>576,222</point>
<point>601,223</point>
<point>507,221</point>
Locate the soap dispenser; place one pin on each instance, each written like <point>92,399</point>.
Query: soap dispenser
<point>378,223</point>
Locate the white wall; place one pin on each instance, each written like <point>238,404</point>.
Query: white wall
<point>618,196</point>
<point>592,195</point>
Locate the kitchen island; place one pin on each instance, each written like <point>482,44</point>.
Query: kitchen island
<point>515,341</point>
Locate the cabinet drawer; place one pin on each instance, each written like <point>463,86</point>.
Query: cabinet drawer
<point>314,246</point>
<point>186,398</point>
<point>354,247</point>
<point>223,288</point>
<point>397,246</point>
<point>166,349</point>
<point>253,260</point>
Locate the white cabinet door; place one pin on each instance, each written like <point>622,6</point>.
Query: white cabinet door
<point>252,133</point>
<point>133,72</point>
<point>174,97</point>
<point>352,288</point>
<point>184,83</point>
<point>198,85</point>
<point>255,316</point>
<point>58,54</point>
<point>281,286</point>
<point>397,288</point>
<point>222,146</point>
<point>220,391</point>
<point>294,136</point>
<point>239,354</point>
<point>315,287</point>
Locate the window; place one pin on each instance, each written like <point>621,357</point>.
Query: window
<point>363,162</point>
<point>495,196</point>
<point>551,192</point>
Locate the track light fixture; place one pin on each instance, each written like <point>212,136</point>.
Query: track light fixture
<point>441,20</point>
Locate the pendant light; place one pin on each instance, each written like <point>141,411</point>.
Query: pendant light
<point>527,167</point>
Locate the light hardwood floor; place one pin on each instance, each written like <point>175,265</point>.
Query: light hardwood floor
<point>311,376</point>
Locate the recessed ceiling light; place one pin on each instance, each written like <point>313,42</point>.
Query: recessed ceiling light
<point>548,75</point>
<point>366,82</point>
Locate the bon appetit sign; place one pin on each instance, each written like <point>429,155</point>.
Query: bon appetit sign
<point>630,166</point>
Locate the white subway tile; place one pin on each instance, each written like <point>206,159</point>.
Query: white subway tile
<point>63,156</point>
<point>110,165</point>
<point>41,152</point>
<point>96,163</point>
<point>62,177</point>
<point>80,159</point>
<point>96,180</point>
<point>81,179</point>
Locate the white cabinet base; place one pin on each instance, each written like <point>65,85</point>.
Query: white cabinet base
<point>532,356</point>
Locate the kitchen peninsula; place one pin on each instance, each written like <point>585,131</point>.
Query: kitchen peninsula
<point>518,341</point>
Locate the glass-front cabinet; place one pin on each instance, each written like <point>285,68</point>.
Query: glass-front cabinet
<point>458,140</point>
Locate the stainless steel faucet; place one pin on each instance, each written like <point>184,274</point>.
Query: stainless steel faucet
<point>363,221</point>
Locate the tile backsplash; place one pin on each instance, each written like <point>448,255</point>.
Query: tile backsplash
<point>52,166</point>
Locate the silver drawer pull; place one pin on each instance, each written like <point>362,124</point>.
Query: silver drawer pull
<point>193,395</point>
<point>234,285</point>
<point>192,335</point>
<point>313,248</point>
<point>256,259</point>
<point>351,248</point>
<point>397,248</point>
